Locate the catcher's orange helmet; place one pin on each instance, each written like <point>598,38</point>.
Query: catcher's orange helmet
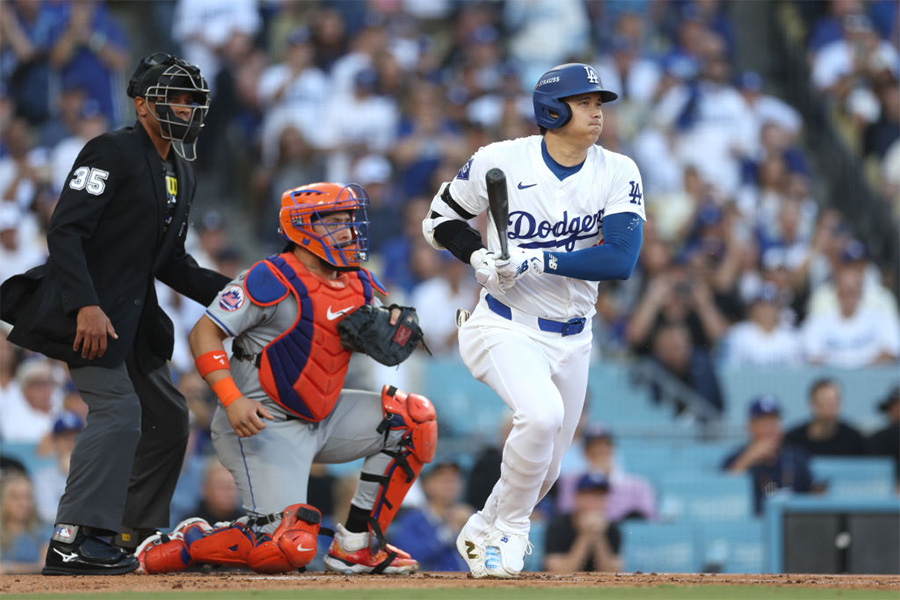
<point>302,206</point>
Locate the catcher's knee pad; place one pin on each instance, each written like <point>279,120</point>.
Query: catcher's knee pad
<point>267,557</point>
<point>227,545</point>
<point>161,553</point>
<point>416,415</point>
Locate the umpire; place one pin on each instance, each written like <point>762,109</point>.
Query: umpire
<point>120,222</point>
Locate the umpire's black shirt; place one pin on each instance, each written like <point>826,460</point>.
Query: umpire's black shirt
<point>108,239</point>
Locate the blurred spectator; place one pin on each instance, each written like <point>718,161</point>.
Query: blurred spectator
<point>357,124</point>
<point>67,115</point>
<point>28,416</point>
<point>585,539</point>
<point>10,357</point>
<point>28,30</point>
<point>825,434</point>
<point>674,351</point>
<point>763,339</point>
<point>625,70</point>
<point>437,298</point>
<point>854,335</point>
<point>50,481</point>
<point>17,255</point>
<point>219,499</point>
<point>22,545</point>
<point>712,126</point>
<point>845,69</point>
<point>205,27</point>
<point>766,108</point>
<point>853,259</point>
<point>886,441</point>
<point>398,253</point>
<point>629,496</point>
<point>93,50</point>
<point>544,33</point>
<point>429,532</point>
<point>772,464</point>
<point>22,171</point>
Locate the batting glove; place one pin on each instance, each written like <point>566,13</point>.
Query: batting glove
<point>521,261</point>
<point>486,272</point>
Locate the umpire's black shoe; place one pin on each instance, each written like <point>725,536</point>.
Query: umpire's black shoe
<point>71,552</point>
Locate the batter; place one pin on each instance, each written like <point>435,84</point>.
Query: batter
<point>575,218</point>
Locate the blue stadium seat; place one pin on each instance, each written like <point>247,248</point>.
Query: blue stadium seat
<point>735,547</point>
<point>614,400</point>
<point>702,497</point>
<point>855,477</point>
<point>659,547</point>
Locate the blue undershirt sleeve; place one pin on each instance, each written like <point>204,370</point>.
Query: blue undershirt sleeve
<point>614,259</point>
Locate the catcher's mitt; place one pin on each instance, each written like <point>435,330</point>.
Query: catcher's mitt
<point>368,329</point>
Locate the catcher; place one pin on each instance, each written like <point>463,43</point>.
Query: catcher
<point>295,318</point>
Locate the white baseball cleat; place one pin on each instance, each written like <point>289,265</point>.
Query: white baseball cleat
<point>504,554</point>
<point>472,551</point>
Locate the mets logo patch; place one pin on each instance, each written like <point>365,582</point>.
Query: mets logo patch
<point>232,298</point>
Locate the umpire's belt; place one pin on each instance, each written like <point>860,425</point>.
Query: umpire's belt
<point>564,328</point>
<point>241,354</point>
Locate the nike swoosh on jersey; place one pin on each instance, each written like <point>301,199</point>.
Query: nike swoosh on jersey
<point>66,557</point>
<point>334,315</point>
<point>525,187</point>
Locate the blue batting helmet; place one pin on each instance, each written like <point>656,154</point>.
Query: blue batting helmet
<point>560,82</point>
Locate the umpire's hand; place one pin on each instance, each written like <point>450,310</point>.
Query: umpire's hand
<point>244,415</point>
<point>91,330</point>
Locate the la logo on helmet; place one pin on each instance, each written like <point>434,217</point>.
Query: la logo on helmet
<point>591,75</point>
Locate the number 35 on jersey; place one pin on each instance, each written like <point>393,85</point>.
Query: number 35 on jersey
<point>91,180</point>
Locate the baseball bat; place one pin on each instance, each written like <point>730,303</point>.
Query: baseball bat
<point>498,199</point>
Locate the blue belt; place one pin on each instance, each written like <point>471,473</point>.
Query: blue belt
<point>564,328</point>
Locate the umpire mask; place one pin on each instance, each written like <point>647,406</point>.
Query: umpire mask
<point>164,80</point>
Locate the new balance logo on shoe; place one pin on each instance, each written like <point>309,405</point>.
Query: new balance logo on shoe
<point>470,550</point>
<point>66,557</point>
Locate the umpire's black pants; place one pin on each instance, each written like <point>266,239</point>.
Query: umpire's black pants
<point>127,459</point>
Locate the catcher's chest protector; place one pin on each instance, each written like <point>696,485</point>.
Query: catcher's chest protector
<point>303,369</point>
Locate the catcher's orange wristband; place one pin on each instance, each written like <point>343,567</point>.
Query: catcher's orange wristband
<point>226,390</point>
<point>211,361</point>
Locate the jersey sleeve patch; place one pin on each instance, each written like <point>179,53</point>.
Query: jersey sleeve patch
<point>231,298</point>
<point>263,286</point>
<point>465,170</point>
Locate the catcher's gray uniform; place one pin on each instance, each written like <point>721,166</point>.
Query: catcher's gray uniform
<point>272,467</point>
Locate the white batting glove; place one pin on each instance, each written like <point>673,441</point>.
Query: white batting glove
<point>486,272</point>
<point>521,262</point>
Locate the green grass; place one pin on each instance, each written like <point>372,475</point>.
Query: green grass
<point>667,592</point>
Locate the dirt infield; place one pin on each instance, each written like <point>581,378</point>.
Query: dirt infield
<point>30,584</point>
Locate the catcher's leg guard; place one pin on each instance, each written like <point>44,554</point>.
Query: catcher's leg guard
<point>227,545</point>
<point>169,553</point>
<point>417,416</point>
<point>161,553</point>
<point>293,545</point>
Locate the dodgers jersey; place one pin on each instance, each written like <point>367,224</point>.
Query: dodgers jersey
<point>548,214</point>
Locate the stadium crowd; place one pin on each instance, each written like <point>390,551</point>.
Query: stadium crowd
<point>744,262</point>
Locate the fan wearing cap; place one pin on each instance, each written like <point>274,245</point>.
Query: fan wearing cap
<point>585,540</point>
<point>826,434</point>
<point>771,463</point>
<point>763,339</point>
<point>120,225</point>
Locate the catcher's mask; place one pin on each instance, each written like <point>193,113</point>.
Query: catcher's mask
<point>159,78</point>
<point>303,206</point>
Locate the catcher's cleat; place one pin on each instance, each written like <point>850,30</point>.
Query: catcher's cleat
<point>505,553</point>
<point>472,550</point>
<point>351,554</point>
